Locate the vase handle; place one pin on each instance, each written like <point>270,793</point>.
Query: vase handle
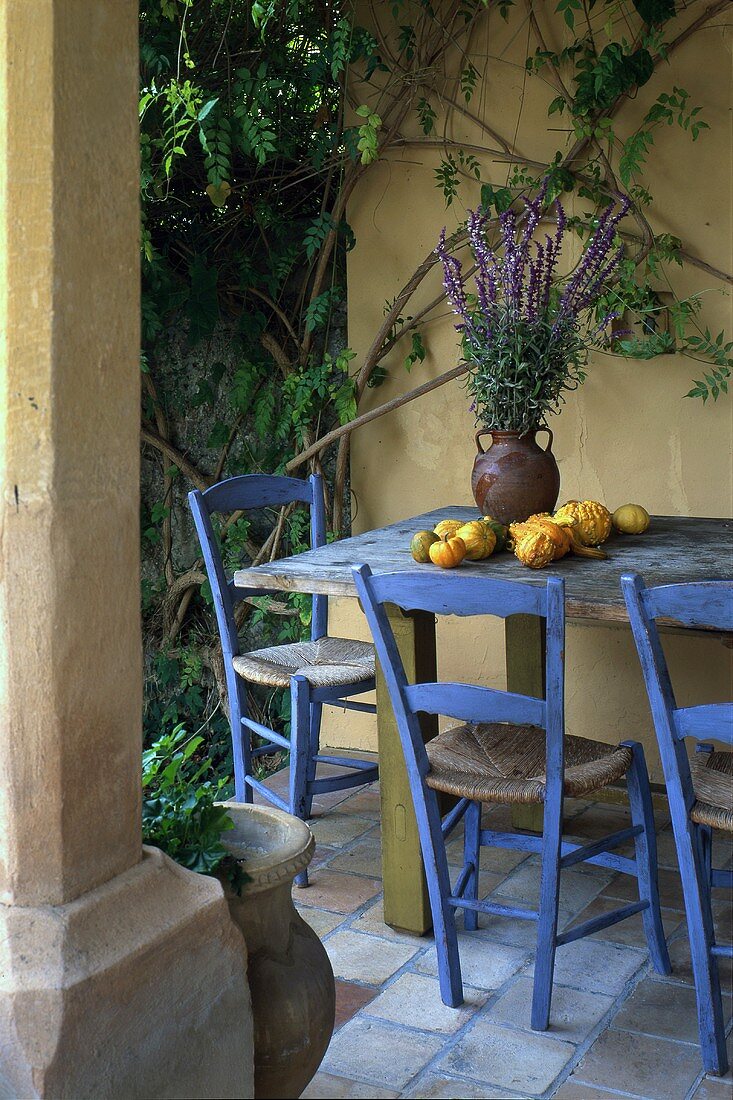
<point>477,437</point>
<point>549,442</point>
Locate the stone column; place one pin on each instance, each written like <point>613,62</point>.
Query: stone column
<point>120,973</point>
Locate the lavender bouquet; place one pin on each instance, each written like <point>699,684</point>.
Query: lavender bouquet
<point>526,335</point>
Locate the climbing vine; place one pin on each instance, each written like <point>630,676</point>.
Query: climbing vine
<point>259,121</point>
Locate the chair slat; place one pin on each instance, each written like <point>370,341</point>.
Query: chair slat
<point>256,491</point>
<point>453,594</point>
<point>704,605</point>
<point>709,720</point>
<point>475,704</point>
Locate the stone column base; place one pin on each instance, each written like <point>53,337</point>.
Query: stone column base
<point>137,989</point>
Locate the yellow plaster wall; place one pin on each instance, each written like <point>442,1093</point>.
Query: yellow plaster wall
<point>627,435</point>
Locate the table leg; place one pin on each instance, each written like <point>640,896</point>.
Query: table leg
<point>406,903</point>
<point>524,639</point>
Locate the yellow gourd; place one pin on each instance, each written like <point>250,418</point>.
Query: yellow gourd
<point>533,546</point>
<point>561,537</point>
<point>631,519</point>
<point>590,520</point>
<point>448,552</point>
<point>447,527</point>
<point>420,545</point>
<point>479,538</point>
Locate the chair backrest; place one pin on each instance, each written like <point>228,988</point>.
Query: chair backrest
<point>464,595</point>
<point>705,604</point>
<point>246,493</point>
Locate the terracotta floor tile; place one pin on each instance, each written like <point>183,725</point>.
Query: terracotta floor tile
<point>670,889</point>
<point>521,1062</point>
<point>325,1086</point>
<point>387,1056</point>
<point>641,1065</point>
<point>629,931</point>
<point>573,1013</point>
<point>337,892</point>
<point>660,1008</point>
<point>359,958</point>
<point>349,999</point>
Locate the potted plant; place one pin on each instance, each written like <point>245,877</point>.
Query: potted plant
<point>525,337</point>
<point>255,852</point>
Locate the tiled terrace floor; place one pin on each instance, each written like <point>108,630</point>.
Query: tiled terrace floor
<point>617,1028</point>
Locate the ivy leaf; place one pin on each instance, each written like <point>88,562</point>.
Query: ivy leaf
<point>654,12</point>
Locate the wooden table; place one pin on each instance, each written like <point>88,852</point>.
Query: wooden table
<point>672,550</point>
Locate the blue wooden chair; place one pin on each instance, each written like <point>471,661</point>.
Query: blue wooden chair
<point>323,670</point>
<point>509,748</point>
<point>701,795</point>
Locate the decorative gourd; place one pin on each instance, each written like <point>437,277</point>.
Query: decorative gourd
<point>479,538</point>
<point>592,521</point>
<point>420,545</point>
<point>533,546</point>
<point>631,519</point>
<point>561,536</point>
<point>447,527</point>
<point>448,552</point>
<point>501,532</point>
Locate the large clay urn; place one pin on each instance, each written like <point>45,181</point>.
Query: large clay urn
<point>290,976</point>
<point>514,477</point>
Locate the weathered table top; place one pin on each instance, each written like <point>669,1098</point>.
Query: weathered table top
<point>674,549</point>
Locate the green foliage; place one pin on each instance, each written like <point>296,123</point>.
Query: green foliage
<point>258,119</point>
<point>180,814</point>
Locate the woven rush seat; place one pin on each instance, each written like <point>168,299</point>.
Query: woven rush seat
<point>712,780</point>
<point>326,662</point>
<point>506,763</point>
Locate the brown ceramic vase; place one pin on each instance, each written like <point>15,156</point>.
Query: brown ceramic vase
<point>290,976</point>
<point>514,477</point>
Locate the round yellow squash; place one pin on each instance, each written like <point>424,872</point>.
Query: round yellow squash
<point>420,545</point>
<point>448,552</point>
<point>447,527</point>
<point>479,538</point>
<point>631,519</point>
<point>590,520</point>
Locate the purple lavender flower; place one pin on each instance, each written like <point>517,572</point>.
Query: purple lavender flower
<point>524,345</point>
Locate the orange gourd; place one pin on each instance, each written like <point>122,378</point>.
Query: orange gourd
<point>448,552</point>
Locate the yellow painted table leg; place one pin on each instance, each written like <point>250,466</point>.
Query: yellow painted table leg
<point>406,904</point>
<point>524,637</point>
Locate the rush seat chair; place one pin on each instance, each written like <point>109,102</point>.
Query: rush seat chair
<point>700,794</point>
<point>318,672</point>
<point>507,748</point>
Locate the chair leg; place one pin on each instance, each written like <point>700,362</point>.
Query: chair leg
<point>432,844</point>
<point>316,712</point>
<point>241,745</point>
<point>471,854</point>
<point>299,752</point>
<point>696,890</point>
<point>640,802</point>
<point>549,901</point>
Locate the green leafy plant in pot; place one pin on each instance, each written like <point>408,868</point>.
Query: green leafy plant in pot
<point>181,812</point>
<point>525,338</point>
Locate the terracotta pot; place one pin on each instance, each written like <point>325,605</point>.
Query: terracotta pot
<point>514,478</point>
<point>290,976</point>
